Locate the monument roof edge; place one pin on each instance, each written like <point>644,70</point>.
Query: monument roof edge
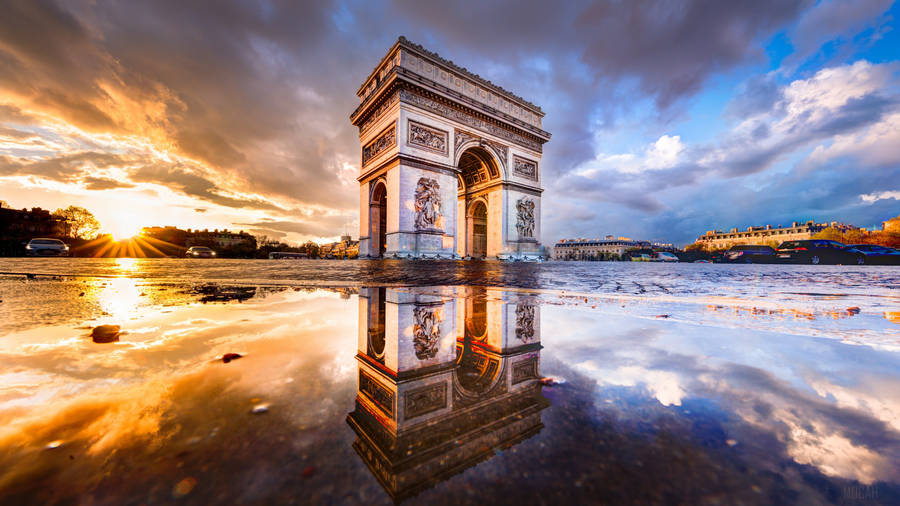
<point>403,41</point>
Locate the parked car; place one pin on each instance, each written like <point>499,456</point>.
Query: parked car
<point>818,251</point>
<point>665,256</point>
<point>879,255</point>
<point>750,254</point>
<point>199,252</point>
<point>641,257</point>
<point>44,247</point>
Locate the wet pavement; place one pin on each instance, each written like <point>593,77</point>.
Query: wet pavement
<point>462,384</point>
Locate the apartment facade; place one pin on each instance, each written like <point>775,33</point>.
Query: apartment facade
<point>593,249</point>
<point>769,235</point>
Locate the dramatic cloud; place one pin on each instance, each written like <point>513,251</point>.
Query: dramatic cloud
<point>241,108</point>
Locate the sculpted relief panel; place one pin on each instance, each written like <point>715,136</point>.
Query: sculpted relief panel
<point>426,332</point>
<point>525,167</point>
<point>427,137</point>
<point>525,217</point>
<point>385,140</point>
<point>467,119</point>
<point>424,400</point>
<point>525,322</point>
<point>428,205</point>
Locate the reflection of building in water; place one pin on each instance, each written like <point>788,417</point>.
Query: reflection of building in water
<point>443,383</point>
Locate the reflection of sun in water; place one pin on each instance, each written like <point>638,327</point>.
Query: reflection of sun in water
<point>126,264</point>
<point>121,296</point>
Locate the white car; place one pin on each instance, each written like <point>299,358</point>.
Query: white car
<point>44,247</point>
<point>665,256</point>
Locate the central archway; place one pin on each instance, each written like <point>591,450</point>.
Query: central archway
<point>479,171</point>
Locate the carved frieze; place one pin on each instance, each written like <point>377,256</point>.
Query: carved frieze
<point>379,112</point>
<point>377,393</point>
<point>501,150</point>
<point>385,140</point>
<point>426,332</point>
<point>461,137</point>
<point>424,400</point>
<point>466,119</point>
<point>525,217</point>
<point>525,370</point>
<point>525,322</point>
<point>426,137</point>
<point>525,167</point>
<point>428,205</point>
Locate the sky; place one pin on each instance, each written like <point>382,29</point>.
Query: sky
<point>669,118</point>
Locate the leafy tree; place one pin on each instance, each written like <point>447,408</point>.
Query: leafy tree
<point>311,249</point>
<point>82,223</point>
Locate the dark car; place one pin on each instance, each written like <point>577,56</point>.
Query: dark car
<point>878,255</point>
<point>200,252</point>
<point>750,254</point>
<point>818,251</point>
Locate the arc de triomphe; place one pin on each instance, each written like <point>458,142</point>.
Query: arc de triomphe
<point>450,162</point>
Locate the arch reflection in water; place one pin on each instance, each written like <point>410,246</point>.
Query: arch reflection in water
<point>456,378</point>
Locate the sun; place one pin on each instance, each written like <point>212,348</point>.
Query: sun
<point>125,229</point>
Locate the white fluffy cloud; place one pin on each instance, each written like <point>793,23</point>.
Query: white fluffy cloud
<point>662,154</point>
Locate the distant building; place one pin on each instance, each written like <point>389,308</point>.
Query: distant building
<point>594,249</point>
<point>186,238</point>
<point>891,226</point>
<point>23,225</point>
<point>345,248</point>
<point>773,236</point>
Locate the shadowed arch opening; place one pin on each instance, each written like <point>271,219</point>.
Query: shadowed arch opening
<point>477,166</point>
<point>378,219</point>
<point>479,224</point>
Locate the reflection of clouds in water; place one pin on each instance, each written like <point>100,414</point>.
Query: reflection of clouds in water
<point>67,362</point>
<point>839,440</point>
<point>781,384</point>
<point>662,385</point>
<point>140,402</point>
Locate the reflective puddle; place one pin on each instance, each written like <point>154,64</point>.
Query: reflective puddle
<point>218,393</point>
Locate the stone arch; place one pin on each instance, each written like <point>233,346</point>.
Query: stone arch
<point>485,153</point>
<point>378,218</point>
<point>480,219</point>
<point>479,374</point>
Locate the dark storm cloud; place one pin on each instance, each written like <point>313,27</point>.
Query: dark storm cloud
<point>320,226</point>
<point>182,179</point>
<point>672,47</point>
<point>67,168</point>
<point>258,93</point>
<point>834,18</point>
<point>99,183</point>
